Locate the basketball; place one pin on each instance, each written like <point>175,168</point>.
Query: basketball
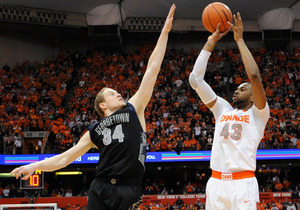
<point>215,13</point>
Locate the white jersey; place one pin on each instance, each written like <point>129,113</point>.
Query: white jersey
<point>237,135</point>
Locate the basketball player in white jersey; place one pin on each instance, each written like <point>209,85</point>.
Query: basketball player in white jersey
<point>238,129</point>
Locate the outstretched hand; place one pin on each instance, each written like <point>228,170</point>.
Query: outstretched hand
<point>217,35</point>
<point>238,27</point>
<point>27,170</point>
<point>169,19</point>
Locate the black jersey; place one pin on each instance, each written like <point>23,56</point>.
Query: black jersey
<point>121,142</point>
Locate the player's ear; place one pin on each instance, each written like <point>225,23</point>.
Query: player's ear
<point>251,98</point>
<point>102,106</point>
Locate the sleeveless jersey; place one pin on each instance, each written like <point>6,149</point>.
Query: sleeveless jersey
<point>121,142</point>
<point>237,136</point>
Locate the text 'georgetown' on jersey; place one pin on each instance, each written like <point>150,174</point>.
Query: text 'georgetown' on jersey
<point>111,120</point>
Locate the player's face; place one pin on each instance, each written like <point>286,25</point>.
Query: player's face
<point>243,95</point>
<point>113,99</point>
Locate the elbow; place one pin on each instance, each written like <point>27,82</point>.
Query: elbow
<point>193,81</point>
<point>254,75</point>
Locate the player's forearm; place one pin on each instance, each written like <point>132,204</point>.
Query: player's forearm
<point>248,60</point>
<point>51,164</point>
<point>209,45</point>
<point>141,99</point>
<point>201,62</point>
<point>158,53</point>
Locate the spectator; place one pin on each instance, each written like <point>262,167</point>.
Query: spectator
<point>279,204</point>
<point>286,141</point>
<point>171,192</point>
<point>278,186</point>
<point>68,207</point>
<point>156,189</point>
<point>298,143</point>
<point>298,204</point>
<point>199,203</point>
<point>285,203</point>
<point>291,206</point>
<point>13,191</point>
<point>263,205</point>
<point>68,193</point>
<point>209,142</point>
<point>275,178</point>
<point>294,141</point>
<point>179,145</point>
<point>197,129</point>
<point>39,146</point>
<point>164,191</point>
<point>179,202</point>
<point>18,145</point>
<point>1,191</point>
<point>6,191</point>
<point>190,189</point>
<point>286,185</point>
<point>176,207</point>
<point>169,207</point>
<point>53,194</point>
<point>187,143</point>
<point>274,207</point>
<point>45,189</point>
<point>156,204</point>
<point>295,194</point>
<point>149,190</point>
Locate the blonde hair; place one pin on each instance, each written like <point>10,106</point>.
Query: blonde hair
<point>99,99</point>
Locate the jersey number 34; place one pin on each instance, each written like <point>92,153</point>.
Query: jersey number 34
<point>118,134</point>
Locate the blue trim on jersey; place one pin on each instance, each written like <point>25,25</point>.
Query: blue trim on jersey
<point>136,115</point>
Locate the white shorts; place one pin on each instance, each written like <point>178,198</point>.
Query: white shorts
<point>240,194</point>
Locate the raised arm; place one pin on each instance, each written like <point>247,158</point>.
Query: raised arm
<point>258,93</point>
<point>142,96</point>
<point>204,91</point>
<point>58,161</point>
<point>213,39</point>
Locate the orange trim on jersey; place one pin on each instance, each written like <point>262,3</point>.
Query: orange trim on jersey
<point>227,176</point>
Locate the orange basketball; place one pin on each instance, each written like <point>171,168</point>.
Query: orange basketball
<point>215,13</point>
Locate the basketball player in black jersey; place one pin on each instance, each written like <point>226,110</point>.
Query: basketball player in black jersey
<point>120,139</point>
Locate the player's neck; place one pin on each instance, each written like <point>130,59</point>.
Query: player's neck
<point>109,112</point>
<point>244,107</point>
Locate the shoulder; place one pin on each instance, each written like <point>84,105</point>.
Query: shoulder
<point>93,126</point>
<point>221,106</point>
<point>130,107</point>
<point>263,114</point>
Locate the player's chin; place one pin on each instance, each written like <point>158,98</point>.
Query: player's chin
<point>235,102</point>
<point>122,103</point>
